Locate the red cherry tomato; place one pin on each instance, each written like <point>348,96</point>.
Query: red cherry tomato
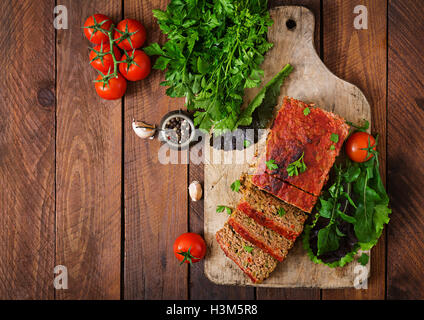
<point>189,248</point>
<point>114,89</point>
<point>137,67</point>
<point>101,61</point>
<point>356,144</point>
<point>133,33</point>
<point>93,26</point>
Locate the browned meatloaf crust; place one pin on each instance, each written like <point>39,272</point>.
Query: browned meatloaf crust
<point>284,191</point>
<point>294,133</point>
<point>264,209</point>
<point>254,262</point>
<point>266,239</point>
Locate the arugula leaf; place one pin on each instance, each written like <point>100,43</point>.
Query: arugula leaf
<point>235,186</point>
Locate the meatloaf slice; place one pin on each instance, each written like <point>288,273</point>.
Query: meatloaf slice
<point>301,129</point>
<point>266,239</point>
<point>284,191</point>
<point>269,211</point>
<point>254,262</point>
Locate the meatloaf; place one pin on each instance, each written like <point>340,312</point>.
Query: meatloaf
<point>254,262</point>
<point>284,191</point>
<point>301,129</point>
<point>266,239</point>
<point>270,211</point>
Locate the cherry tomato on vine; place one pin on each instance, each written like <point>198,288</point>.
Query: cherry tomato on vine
<point>113,89</point>
<point>357,144</point>
<point>137,65</point>
<point>189,248</point>
<point>132,34</point>
<point>101,59</point>
<point>94,25</point>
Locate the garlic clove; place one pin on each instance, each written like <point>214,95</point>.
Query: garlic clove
<point>195,190</point>
<point>143,130</point>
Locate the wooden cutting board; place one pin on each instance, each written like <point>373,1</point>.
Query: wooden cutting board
<point>310,81</point>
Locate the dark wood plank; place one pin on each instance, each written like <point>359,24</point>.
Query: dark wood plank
<point>201,288</point>
<point>296,293</point>
<point>88,165</point>
<point>405,177</point>
<point>155,194</point>
<point>359,57</point>
<point>27,150</point>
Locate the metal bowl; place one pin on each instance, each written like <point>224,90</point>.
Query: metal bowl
<point>169,136</point>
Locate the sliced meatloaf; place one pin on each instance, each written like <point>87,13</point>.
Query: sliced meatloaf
<point>268,240</point>
<point>254,262</point>
<point>284,191</point>
<point>301,129</point>
<point>269,211</point>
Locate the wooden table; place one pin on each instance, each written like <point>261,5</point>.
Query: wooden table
<point>79,189</point>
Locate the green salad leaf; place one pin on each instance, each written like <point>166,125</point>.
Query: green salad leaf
<point>356,200</point>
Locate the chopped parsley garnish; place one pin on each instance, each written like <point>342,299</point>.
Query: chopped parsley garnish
<point>246,143</point>
<point>281,212</point>
<point>306,111</point>
<point>271,165</point>
<point>235,186</point>
<point>332,147</point>
<point>334,137</point>
<point>296,167</point>
<point>222,208</point>
<point>248,248</point>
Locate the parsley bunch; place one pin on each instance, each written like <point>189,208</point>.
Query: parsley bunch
<point>214,51</point>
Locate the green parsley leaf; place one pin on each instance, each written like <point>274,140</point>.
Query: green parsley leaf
<point>222,208</point>
<point>332,147</point>
<point>271,165</point>
<point>334,137</point>
<point>248,249</point>
<point>246,143</point>
<point>306,111</point>
<point>281,212</point>
<point>363,259</point>
<point>296,167</point>
<point>235,186</point>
